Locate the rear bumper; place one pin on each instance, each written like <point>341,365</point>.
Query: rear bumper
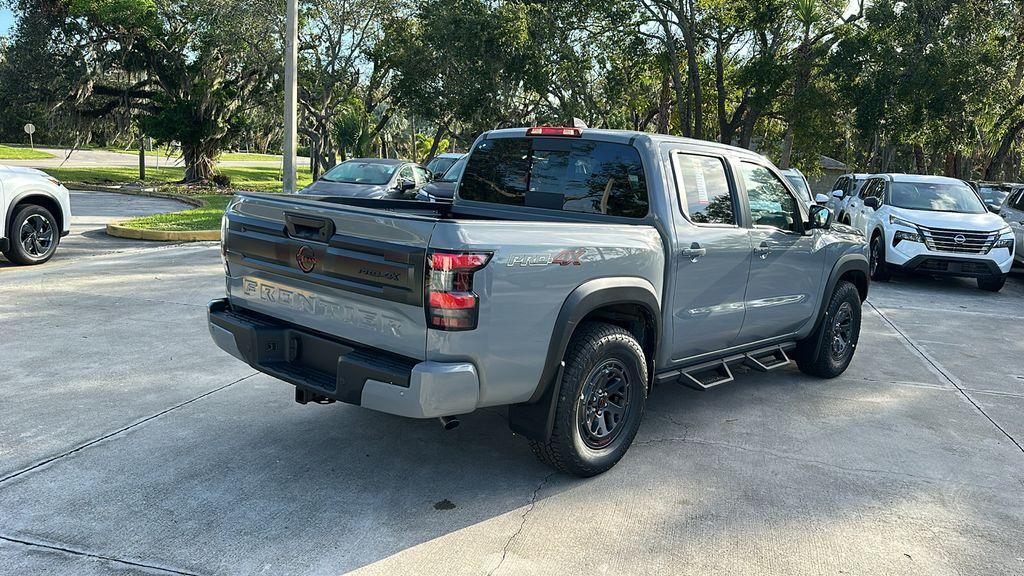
<point>323,366</point>
<point>944,266</point>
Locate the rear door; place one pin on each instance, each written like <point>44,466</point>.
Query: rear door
<point>786,266</point>
<point>711,256</point>
<point>352,273</point>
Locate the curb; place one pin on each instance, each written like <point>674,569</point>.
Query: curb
<point>119,231</point>
<point>163,235</point>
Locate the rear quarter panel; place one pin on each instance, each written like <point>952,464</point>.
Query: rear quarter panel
<point>521,291</point>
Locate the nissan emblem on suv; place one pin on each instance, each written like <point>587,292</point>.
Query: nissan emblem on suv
<point>306,259</point>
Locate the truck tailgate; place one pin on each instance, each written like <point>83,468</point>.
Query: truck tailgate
<point>356,274</point>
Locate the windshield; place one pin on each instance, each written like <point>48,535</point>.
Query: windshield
<point>799,185</point>
<point>936,197</point>
<point>440,165</point>
<point>455,171</point>
<point>356,172</point>
<point>994,195</point>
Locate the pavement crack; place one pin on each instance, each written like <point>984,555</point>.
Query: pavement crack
<point>82,553</point>
<point>945,374</point>
<point>121,430</point>
<point>522,522</point>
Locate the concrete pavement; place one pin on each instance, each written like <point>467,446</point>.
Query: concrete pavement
<point>130,444</point>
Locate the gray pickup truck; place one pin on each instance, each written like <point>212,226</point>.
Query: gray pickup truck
<point>575,270</point>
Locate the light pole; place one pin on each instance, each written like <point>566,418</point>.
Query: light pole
<point>291,61</point>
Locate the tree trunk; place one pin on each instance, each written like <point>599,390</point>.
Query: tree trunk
<point>996,164</point>
<point>664,105</point>
<point>693,74</point>
<point>787,149</point>
<point>199,161</point>
<point>919,165</point>
<point>438,134</point>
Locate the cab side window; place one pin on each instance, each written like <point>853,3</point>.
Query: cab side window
<point>422,176</point>
<point>770,203</point>
<point>1018,202</point>
<point>704,194</point>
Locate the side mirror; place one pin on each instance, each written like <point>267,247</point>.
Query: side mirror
<point>872,202</point>
<point>821,198</point>
<point>820,217</point>
<point>406,185</point>
<point>838,193</point>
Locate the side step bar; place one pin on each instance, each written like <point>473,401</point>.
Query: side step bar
<point>710,374</point>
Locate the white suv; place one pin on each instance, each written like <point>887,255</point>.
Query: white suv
<point>35,213</point>
<point>933,225</point>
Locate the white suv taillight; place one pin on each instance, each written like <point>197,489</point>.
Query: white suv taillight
<point>451,303</point>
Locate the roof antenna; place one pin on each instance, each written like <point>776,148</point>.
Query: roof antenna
<point>577,123</point>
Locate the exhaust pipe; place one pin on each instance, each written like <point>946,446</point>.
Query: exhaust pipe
<point>449,422</point>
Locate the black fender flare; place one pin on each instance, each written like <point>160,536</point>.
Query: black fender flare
<point>535,418</point>
<point>845,263</point>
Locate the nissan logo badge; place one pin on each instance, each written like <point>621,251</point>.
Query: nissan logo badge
<point>306,259</point>
<point>959,239</point>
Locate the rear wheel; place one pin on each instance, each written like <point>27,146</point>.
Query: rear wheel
<point>879,269</point>
<point>827,352</point>
<point>992,283</point>
<point>33,235</point>
<point>601,401</point>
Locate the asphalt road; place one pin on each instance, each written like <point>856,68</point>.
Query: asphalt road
<point>68,158</point>
<point>130,444</point>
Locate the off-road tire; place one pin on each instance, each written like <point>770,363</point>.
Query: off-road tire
<point>879,269</point>
<point>16,252</point>
<point>818,354</point>
<point>992,283</point>
<point>593,346</point>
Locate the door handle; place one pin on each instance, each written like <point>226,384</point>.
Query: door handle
<point>763,250</point>
<point>694,252</point>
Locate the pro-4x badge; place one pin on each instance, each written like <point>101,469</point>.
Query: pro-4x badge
<point>567,257</point>
<point>305,258</point>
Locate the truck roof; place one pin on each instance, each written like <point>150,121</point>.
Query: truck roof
<point>627,136</point>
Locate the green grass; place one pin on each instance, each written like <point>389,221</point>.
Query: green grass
<point>243,178</point>
<point>19,153</point>
<point>205,218</point>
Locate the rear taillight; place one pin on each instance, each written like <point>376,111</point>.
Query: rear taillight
<point>451,303</point>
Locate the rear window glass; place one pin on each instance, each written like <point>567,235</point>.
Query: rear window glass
<point>557,173</point>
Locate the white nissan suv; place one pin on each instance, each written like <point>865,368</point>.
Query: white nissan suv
<point>933,225</point>
<point>35,213</point>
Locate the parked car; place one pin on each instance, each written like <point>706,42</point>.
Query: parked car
<point>994,194</point>
<point>934,225</point>
<point>1013,213</point>
<point>35,213</point>
<point>575,269</point>
<point>443,188</point>
<point>803,190</point>
<point>843,191</point>
<point>440,164</point>
<point>370,178</point>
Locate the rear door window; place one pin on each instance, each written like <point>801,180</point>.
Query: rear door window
<point>559,174</point>
<point>704,193</point>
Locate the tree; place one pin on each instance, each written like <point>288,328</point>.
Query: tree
<point>187,67</point>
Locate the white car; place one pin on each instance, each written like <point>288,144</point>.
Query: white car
<point>1013,212</point>
<point>845,191</point>
<point>934,225</point>
<point>35,213</point>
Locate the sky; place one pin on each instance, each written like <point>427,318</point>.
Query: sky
<point>6,21</point>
